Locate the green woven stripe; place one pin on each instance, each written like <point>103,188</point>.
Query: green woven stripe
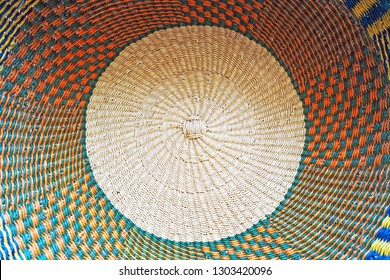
<point>47,185</point>
<point>9,248</point>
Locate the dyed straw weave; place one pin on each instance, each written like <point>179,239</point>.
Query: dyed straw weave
<point>191,129</point>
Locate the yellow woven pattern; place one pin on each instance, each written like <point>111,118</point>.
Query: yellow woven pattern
<point>363,7</point>
<point>10,23</point>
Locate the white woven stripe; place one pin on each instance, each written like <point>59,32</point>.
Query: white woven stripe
<point>195,133</point>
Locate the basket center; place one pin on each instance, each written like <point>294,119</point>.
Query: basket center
<point>194,127</point>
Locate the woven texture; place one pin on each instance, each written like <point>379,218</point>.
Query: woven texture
<point>374,15</point>
<point>194,129</point>
<point>192,138</point>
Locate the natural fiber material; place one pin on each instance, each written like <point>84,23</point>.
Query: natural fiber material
<point>374,15</point>
<point>194,129</point>
<point>184,144</point>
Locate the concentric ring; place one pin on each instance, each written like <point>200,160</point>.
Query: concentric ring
<point>195,133</point>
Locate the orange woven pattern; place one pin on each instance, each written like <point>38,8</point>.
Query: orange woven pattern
<point>52,55</point>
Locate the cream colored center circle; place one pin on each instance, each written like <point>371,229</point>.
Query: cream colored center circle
<point>194,127</point>
<point>195,133</point>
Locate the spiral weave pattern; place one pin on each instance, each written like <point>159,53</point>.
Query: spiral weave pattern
<point>228,129</point>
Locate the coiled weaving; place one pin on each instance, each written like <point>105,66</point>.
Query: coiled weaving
<point>229,129</point>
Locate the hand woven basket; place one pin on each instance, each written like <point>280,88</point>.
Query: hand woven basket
<point>230,129</point>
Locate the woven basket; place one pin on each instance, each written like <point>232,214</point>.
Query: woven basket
<point>194,129</point>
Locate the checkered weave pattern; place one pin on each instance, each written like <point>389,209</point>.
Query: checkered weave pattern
<point>375,18</point>
<point>52,57</point>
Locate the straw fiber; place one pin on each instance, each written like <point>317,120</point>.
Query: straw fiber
<point>229,129</point>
